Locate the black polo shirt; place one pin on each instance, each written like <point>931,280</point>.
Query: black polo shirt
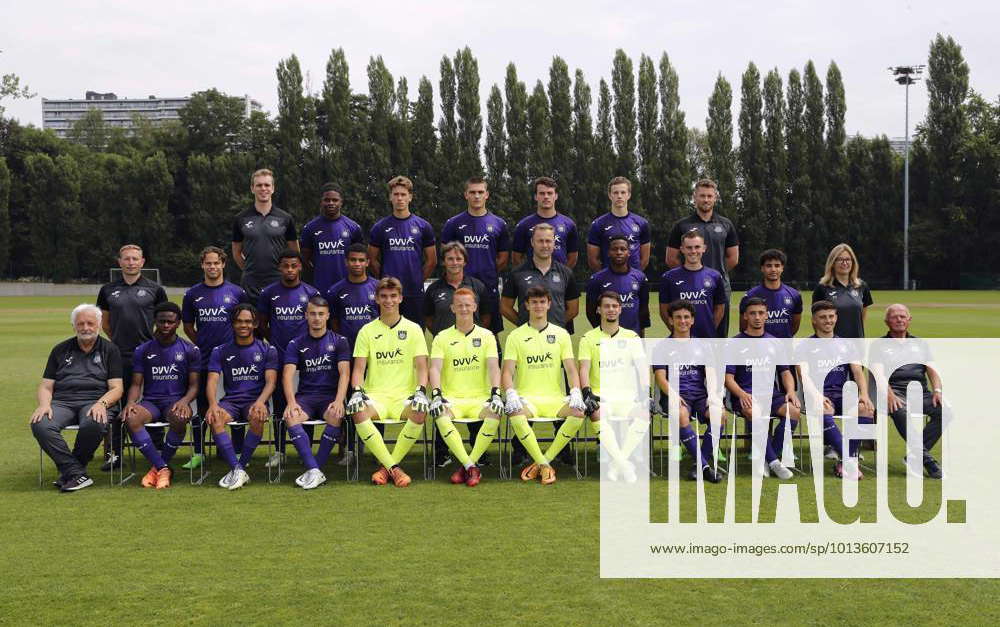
<point>131,308</point>
<point>558,280</point>
<point>850,302</point>
<point>81,376</point>
<point>888,351</point>
<point>437,302</point>
<point>263,238</point>
<point>719,234</point>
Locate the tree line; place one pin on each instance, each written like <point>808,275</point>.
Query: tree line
<point>789,176</point>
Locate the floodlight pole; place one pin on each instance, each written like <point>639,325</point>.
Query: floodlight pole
<point>906,190</point>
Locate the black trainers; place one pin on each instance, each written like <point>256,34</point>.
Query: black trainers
<point>76,483</point>
<point>112,461</point>
<point>692,474</point>
<point>710,475</point>
<point>933,468</point>
<point>441,462</point>
<point>58,483</point>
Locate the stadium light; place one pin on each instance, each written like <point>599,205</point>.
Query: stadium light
<point>906,75</point>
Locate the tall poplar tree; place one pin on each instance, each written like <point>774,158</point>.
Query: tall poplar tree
<point>470,116</point>
<point>648,192</point>
<point>561,123</point>
<point>539,133</point>
<point>517,139</point>
<point>751,218</point>
<point>623,85</point>
<point>676,175</point>
<point>719,127</point>
<point>775,160</point>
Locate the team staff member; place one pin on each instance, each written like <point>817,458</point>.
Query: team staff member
<point>486,241</point>
<point>81,385</point>
<point>541,270</point>
<point>127,306</point>
<point>207,309</point>
<point>629,283</point>
<point>260,233</point>
<point>619,222</point>
<point>721,241</point>
<point>438,315</point>
<point>566,245</point>
<point>325,239</point>
<point>841,286</point>
<point>402,246</point>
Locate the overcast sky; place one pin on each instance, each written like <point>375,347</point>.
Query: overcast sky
<point>61,48</point>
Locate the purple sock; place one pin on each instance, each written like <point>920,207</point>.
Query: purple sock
<point>330,436</point>
<point>706,446</point>
<point>302,444</point>
<point>145,445</point>
<point>170,445</point>
<point>831,435</point>
<point>250,443</point>
<point>690,441</point>
<point>225,444</point>
<point>855,445</point>
<point>778,439</point>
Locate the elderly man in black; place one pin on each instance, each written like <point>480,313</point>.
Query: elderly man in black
<point>81,385</point>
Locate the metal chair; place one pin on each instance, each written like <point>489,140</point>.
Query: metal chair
<point>130,445</point>
<point>41,461</point>
<point>209,441</point>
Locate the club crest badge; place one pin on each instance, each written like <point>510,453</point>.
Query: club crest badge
<point>141,293</point>
<point>227,299</point>
<point>414,230</point>
<point>489,228</point>
<point>179,357</point>
<point>477,342</point>
<point>275,223</point>
<point>401,335</point>
<point>257,357</point>
<point>718,229</point>
<point>303,298</point>
<point>551,339</point>
<point>635,227</point>
<point>344,233</point>
<point>708,283</point>
<point>97,359</point>
<point>635,286</point>
<point>788,300</point>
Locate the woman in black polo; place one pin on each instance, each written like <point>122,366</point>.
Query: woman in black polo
<point>849,294</point>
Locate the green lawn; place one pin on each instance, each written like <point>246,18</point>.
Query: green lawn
<point>504,552</point>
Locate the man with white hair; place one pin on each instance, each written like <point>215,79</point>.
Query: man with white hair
<point>81,384</point>
<point>887,353</point>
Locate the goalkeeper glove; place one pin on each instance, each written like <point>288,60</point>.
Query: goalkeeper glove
<point>576,400</point>
<point>437,403</point>
<point>514,402</point>
<point>418,401</point>
<point>591,400</point>
<point>495,402</point>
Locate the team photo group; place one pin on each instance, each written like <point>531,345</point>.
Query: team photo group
<point>278,360</point>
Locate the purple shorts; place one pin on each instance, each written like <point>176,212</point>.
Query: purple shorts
<point>239,411</point>
<point>314,405</point>
<point>777,402</point>
<point>157,409</point>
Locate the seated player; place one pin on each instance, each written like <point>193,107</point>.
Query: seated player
<point>739,383</point>
<point>609,310</point>
<point>323,360</point>
<point>249,371</point>
<point>165,374</point>
<point>465,377</point>
<point>390,360</point>
<point>535,355</point>
<point>824,320</point>
<point>691,384</point>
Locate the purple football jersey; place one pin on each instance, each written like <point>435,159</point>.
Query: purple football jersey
<point>242,368</point>
<point>566,241</point>
<point>632,290</point>
<point>353,305</point>
<point>632,227</point>
<point>209,307</point>
<point>316,360</point>
<point>690,379</point>
<point>483,237</point>
<point>704,288</point>
<point>165,369</point>
<point>782,304</point>
<point>285,308</point>
<point>329,240</point>
<point>743,374</point>
<point>402,242</point>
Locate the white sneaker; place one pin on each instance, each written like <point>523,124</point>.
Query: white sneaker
<point>830,453</point>
<point>240,479</point>
<point>780,471</point>
<point>313,478</point>
<point>628,470</point>
<point>276,459</point>
<point>346,459</point>
<point>226,479</point>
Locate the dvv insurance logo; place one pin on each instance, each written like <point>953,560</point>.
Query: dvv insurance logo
<point>765,457</point>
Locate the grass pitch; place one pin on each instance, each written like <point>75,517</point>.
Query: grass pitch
<point>504,552</point>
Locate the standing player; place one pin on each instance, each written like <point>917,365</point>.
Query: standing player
<point>535,356</point>
<point>249,371</point>
<point>618,222</point>
<point>784,303</point>
<point>718,234</point>
<point>693,385</point>
<point>844,355</point>
<point>127,318</point>
<point>465,377</point>
<point>323,360</point>
<point>628,282</point>
<point>402,246</point>
<point>784,400</point>
<point>486,241</point>
<point>207,311</point>
<point>566,246</point>
<point>325,238</point>
<point>701,286</point>
<point>165,375</point>
<point>260,233</point>
<point>282,313</point>
<point>609,307</point>
<point>389,380</point>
